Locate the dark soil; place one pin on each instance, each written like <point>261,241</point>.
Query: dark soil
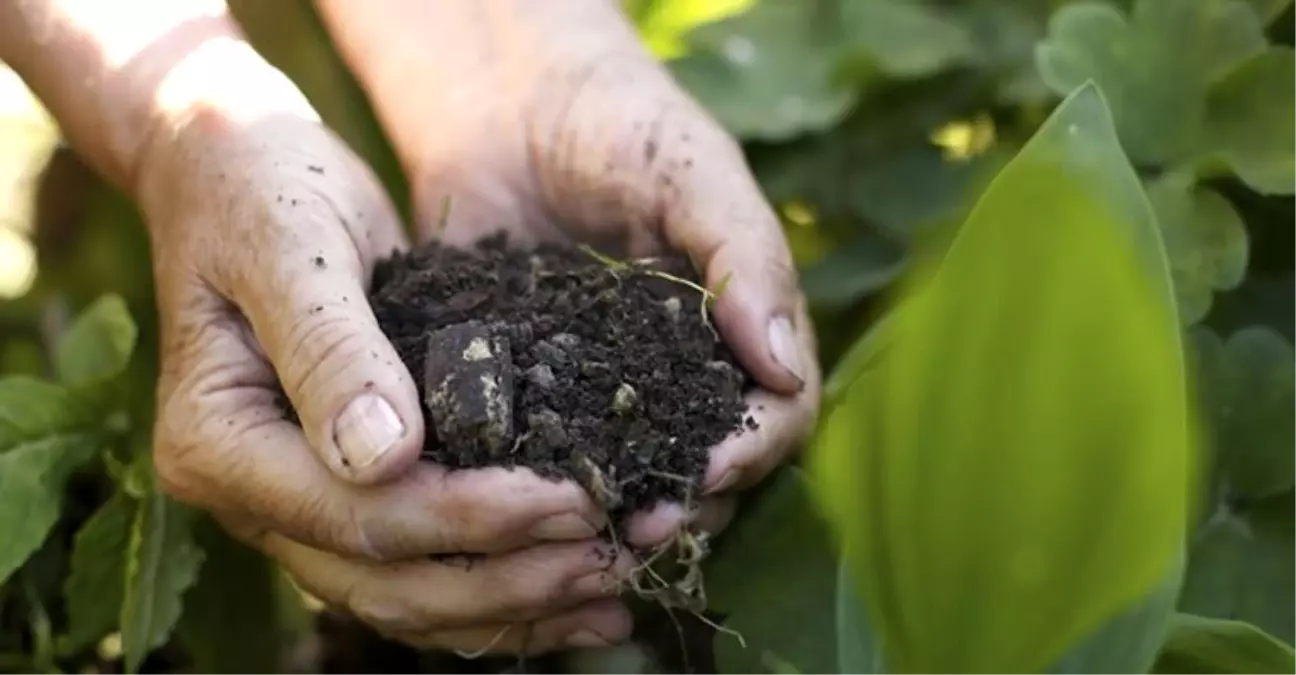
<point>553,359</point>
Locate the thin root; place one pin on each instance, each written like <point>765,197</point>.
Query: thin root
<point>618,267</point>
<point>489,646</point>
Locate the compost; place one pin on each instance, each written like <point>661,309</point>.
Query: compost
<point>564,361</point>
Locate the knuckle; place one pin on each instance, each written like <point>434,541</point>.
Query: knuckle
<point>323,344</point>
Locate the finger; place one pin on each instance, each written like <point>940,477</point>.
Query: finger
<point>424,596</point>
<point>627,145</point>
<point>298,268</point>
<point>744,459</point>
<point>595,624</point>
<point>714,211</point>
<point>652,528</point>
<point>221,443</point>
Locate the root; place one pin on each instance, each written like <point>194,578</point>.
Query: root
<point>619,267</point>
<point>473,655</point>
<point>444,217</point>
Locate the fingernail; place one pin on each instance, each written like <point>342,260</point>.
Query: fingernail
<point>563,526</point>
<point>783,346</point>
<point>367,428</point>
<point>726,481</point>
<point>586,638</point>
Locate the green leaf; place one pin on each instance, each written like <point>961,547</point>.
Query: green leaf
<point>1201,645</point>
<point>1154,67</point>
<point>853,271</point>
<point>31,409</point>
<point>99,343</point>
<point>1015,470</point>
<point>907,39</point>
<point>1241,568</point>
<point>162,562</point>
<point>1252,393</point>
<point>1249,120</point>
<point>1205,240</point>
<point>664,25</point>
<point>1268,10</point>
<point>1129,642</point>
<point>776,561</point>
<point>32,475</point>
<point>232,620</point>
<point>95,588</point>
<point>769,73</point>
<point>857,648</point>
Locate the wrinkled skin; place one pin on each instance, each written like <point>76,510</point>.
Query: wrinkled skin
<point>265,231</point>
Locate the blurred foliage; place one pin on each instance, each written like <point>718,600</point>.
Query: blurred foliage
<point>874,128</point>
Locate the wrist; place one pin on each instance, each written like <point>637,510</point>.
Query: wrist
<point>439,72</point>
<point>221,92</point>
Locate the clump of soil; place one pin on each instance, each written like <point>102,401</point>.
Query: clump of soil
<point>560,360</point>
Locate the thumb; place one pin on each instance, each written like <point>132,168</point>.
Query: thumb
<point>675,175</point>
<point>307,305</point>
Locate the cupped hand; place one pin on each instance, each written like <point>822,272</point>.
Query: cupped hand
<point>265,229</point>
<point>550,120</point>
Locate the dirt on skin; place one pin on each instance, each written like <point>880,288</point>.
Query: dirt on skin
<point>574,366</point>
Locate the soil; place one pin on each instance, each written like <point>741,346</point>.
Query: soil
<point>560,360</point>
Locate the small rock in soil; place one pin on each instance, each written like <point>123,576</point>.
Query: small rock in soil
<point>468,387</point>
<point>607,377</point>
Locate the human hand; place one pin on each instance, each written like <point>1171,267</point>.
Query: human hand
<point>550,120</point>
<point>265,229</point>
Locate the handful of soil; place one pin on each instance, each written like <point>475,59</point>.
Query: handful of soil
<point>563,361</point>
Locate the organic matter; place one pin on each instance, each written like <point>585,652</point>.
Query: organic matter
<point>565,362</point>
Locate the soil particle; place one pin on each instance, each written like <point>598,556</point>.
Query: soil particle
<point>551,359</point>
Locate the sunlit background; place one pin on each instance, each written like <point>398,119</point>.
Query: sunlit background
<point>27,137</point>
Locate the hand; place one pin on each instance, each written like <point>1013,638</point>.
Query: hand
<point>265,229</point>
<point>549,119</point>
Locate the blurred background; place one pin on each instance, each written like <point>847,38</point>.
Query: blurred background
<point>867,122</point>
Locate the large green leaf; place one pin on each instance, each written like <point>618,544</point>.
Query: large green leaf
<point>770,72</point>
<point>774,563</point>
<point>1130,641</point>
<point>857,648</point>
<point>1241,567</point>
<point>162,562</point>
<point>232,620</point>
<point>1251,120</point>
<point>33,410</point>
<point>31,492</point>
<point>99,343</point>
<point>96,586</point>
<point>1015,470</point>
<point>1201,645</point>
<point>1251,392</point>
<point>907,39</point>
<point>1205,240</point>
<point>1154,67</point>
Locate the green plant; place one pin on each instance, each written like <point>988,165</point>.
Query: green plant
<point>890,135</point>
